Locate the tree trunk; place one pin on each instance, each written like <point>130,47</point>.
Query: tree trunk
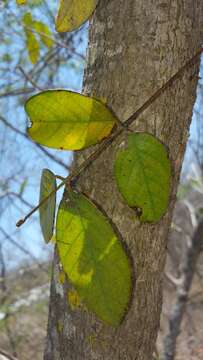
<point>134,47</point>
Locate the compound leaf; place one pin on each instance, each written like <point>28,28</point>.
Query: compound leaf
<point>142,173</point>
<point>73,13</point>
<point>66,120</point>
<point>47,210</point>
<point>93,258</point>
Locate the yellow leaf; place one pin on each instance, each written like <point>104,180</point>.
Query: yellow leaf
<point>66,120</point>
<point>93,259</point>
<point>34,29</point>
<point>27,19</point>
<point>31,40</point>
<point>32,46</point>
<point>73,13</point>
<point>21,2</point>
<point>44,33</point>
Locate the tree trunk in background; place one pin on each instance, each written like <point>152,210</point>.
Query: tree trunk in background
<point>134,47</point>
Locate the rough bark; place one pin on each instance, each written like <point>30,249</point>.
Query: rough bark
<point>134,47</point>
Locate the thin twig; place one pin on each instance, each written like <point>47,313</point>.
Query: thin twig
<point>22,221</point>
<point>107,142</point>
<point>22,249</point>
<point>28,78</point>
<point>18,196</point>
<point>17,92</point>
<point>2,271</point>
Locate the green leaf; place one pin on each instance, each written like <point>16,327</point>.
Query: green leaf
<point>142,173</point>
<point>47,210</point>
<point>93,258</point>
<point>73,13</point>
<point>44,33</point>
<point>66,120</point>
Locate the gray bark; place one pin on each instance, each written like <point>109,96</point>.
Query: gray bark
<point>134,47</point>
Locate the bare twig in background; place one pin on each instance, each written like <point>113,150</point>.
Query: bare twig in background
<point>45,151</point>
<point>2,271</point>
<point>20,247</point>
<point>29,78</point>
<point>17,92</point>
<point>188,270</point>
